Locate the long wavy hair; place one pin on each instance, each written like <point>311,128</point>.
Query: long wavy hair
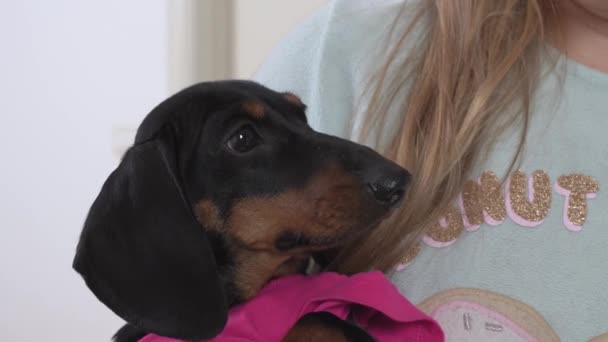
<point>471,70</point>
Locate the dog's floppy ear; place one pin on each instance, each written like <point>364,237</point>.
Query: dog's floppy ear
<point>143,253</point>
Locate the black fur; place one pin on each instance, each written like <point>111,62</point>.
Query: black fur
<point>142,251</point>
<point>129,333</point>
<point>348,328</point>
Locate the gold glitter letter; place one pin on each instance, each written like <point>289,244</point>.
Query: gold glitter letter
<point>483,202</point>
<point>528,200</point>
<point>577,189</point>
<point>409,256</point>
<point>446,231</point>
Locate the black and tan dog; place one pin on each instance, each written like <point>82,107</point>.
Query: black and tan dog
<point>225,188</point>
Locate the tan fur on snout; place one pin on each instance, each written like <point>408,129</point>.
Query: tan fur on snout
<point>330,204</point>
<point>326,210</point>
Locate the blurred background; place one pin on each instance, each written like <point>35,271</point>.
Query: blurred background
<point>76,78</point>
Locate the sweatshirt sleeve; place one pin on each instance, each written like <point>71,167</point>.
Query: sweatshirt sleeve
<point>305,63</point>
<point>328,60</point>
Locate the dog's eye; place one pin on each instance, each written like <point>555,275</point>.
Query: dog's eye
<point>244,140</point>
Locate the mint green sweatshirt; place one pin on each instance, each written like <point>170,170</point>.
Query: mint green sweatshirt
<point>523,260</point>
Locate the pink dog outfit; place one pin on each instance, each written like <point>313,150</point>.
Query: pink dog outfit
<point>374,303</point>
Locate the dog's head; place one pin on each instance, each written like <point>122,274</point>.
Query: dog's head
<point>225,188</point>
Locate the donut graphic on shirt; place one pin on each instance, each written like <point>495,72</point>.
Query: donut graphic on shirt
<point>480,315</point>
<point>475,315</point>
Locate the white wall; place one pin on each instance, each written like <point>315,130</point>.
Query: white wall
<point>259,26</point>
<point>70,70</point>
<point>73,74</point>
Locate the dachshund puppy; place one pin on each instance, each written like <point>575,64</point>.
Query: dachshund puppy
<point>225,188</point>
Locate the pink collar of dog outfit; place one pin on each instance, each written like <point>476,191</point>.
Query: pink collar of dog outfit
<point>375,304</point>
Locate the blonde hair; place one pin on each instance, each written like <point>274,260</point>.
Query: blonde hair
<point>471,72</point>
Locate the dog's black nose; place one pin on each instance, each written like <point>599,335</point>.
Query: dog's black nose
<point>388,188</point>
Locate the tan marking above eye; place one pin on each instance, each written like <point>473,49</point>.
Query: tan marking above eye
<point>293,99</point>
<point>255,109</point>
